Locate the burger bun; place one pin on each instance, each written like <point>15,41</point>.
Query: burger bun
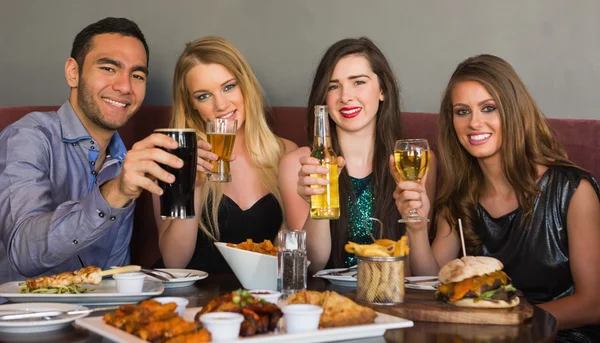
<point>470,302</point>
<point>467,267</point>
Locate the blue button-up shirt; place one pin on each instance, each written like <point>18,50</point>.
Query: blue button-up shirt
<point>53,217</point>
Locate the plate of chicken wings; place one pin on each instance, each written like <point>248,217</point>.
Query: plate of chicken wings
<point>346,321</point>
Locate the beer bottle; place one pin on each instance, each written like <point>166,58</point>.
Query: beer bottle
<point>327,204</point>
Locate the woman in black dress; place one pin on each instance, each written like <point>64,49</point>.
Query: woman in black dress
<point>518,196</point>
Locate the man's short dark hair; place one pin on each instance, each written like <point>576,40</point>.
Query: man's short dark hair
<point>122,26</point>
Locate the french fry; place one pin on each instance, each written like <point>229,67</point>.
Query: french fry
<point>374,284</point>
<point>381,248</point>
<point>401,247</point>
<point>350,247</point>
<point>385,242</point>
<point>383,282</point>
<point>374,252</point>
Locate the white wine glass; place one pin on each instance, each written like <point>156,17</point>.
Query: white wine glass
<point>411,157</point>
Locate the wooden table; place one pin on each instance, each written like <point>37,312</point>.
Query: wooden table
<point>541,328</point>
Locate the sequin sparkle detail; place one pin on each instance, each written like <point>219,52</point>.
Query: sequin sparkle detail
<point>360,208</point>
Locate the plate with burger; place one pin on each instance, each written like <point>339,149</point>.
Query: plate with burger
<point>476,281</point>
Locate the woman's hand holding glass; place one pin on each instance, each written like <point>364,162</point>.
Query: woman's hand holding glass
<point>308,181</point>
<point>410,193</point>
<point>205,161</point>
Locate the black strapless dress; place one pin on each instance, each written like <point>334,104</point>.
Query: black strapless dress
<point>259,222</point>
<point>536,256</point>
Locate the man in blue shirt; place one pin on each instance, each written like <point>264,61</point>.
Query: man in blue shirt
<point>67,183</point>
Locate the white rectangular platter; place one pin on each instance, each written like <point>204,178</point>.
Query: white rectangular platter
<point>382,323</point>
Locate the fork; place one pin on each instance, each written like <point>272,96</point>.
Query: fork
<point>52,313</point>
<point>154,271</point>
<point>416,282</point>
<point>154,275</point>
<point>338,272</point>
<point>341,274</point>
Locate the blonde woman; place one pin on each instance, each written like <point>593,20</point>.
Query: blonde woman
<point>213,80</point>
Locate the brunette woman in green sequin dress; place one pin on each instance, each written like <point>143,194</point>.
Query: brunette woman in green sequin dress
<point>358,85</point>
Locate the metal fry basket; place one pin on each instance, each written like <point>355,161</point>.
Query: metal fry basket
<point>380,280</point>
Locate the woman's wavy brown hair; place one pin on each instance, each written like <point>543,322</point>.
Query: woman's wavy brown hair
<point>526,142</point>
<point>388,130</point>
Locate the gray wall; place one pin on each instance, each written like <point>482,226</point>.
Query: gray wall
<point>553,44</point>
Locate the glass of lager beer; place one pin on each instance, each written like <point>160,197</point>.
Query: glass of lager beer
<point>177,201</point>
<point>220,134</point>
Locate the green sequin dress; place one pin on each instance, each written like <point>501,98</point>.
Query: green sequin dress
<point>360,208</point>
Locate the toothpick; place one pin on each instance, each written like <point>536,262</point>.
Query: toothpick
<point>462,238</point>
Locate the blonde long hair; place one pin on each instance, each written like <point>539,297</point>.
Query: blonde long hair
<point>527,141</point>
<point>263,147</point>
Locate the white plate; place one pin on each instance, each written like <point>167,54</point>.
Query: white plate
<point>180,281</point>
<point>38,324</point>
<point>339,280</point>
<point>105,293</point>
<point>426,285</point>
<point>382,323</point>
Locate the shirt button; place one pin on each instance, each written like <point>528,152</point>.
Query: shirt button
<point>101,214</point>
<point>112,219</point>
<point>93,163</point>
<point>73,144</point>
<point>94,172</point>
<point>93,147</point>
<point>91,142</point>
<point>75,241</point>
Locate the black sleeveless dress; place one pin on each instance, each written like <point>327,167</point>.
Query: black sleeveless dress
<point>259,222</point>
<point>536,256</point>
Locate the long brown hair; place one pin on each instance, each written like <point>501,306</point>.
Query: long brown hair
<point>264,148</point>
<point>526,142</point>
<point>388,130</point>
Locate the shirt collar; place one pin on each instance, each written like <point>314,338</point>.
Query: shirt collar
<point>116,147</point>
<point>73,131</point>
<point>70,125</point>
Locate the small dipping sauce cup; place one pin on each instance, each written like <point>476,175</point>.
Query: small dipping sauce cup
<point>301,317</point>
<point>270,296</point>
<point>129,282</point>
<point>223,326</point>
<point>181,303</point>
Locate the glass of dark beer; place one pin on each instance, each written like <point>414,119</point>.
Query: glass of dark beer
<point>177,201</point>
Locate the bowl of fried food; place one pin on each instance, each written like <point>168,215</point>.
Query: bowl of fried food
<point>380,270</point>
<point>254,264</point>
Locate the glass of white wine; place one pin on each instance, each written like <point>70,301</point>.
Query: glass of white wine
<point>412,161</point>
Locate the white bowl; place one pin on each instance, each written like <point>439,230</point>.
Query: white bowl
<point>253,270</point>
<point>223,326</point>
<point>268,295</point>
<point>129,282</point>
<point>301,317</point>
<point>181,303</point>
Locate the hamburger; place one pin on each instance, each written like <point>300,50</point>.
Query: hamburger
<point>476,281</point>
